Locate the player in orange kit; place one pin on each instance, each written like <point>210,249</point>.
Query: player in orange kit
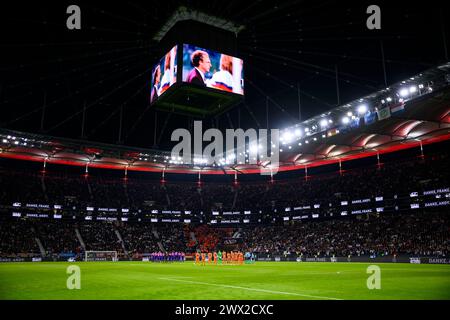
<point>197,258</point>
<point>241,258</point>
<point>203,259</point>
<point>229,259</point>
<point>215,258</point>
<point>209,257</point>
<point>224,257</point>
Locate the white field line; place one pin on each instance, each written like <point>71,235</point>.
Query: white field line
<point>251,289</point>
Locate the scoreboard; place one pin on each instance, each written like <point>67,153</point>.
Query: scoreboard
<point>196,81</point>
<point>198,71</point>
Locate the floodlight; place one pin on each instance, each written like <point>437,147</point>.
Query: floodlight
<point>345,120</point>
<point>287,136</point>
<point>362,109</point>
<point>403,92</point>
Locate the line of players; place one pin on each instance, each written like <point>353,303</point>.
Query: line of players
<point>167,257</point>
<point>230,258</point>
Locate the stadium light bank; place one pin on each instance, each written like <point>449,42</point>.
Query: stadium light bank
<point>251,147</point>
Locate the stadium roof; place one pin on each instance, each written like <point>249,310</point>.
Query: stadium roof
<point>421,116</point>
<point>296,55</point>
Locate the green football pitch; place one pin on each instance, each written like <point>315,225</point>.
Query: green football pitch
<point>185,281</point>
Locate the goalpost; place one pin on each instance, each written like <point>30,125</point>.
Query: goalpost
<point>100,256</point>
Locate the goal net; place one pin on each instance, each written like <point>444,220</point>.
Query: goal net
<point>100,256</point>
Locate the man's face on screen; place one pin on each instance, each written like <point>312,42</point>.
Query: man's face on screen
<point>158,76</point>
<point>205,63</point>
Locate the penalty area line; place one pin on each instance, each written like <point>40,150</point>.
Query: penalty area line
<point>250,289</point>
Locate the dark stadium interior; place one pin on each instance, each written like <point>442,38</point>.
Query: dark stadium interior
<point>84,157</point>
<point>357,234</point>
<point>107,64</point>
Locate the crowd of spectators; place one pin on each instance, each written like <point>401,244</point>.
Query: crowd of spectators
<point>172,237</point>
<point>138,238</point>
<point>393,178</point>
<point>385,234</point>
<point>59,238</point>
<point>209,239</point>
<point>100,237</point>
<point>425,234</point>
<point>17,239</point>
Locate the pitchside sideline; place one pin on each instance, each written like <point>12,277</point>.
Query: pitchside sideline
<point>260,281</point>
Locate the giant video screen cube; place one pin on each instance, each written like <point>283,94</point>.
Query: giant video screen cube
<point>196,81</point>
